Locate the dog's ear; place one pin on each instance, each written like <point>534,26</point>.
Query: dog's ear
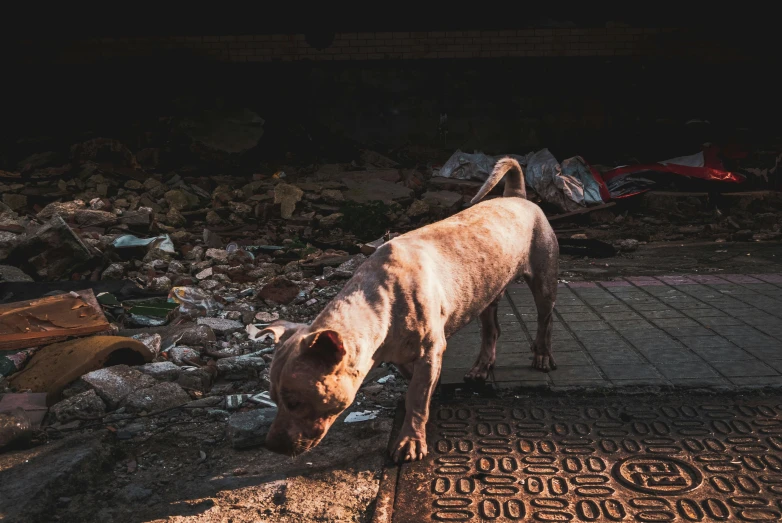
<point>325,346</point>
<point>280,329</point>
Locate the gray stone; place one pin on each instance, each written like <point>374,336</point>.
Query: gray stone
<point>181,200</point>
<point>81,406</point>
<point>287,195</point>
<point>347,269</point>
<point>418,208</point>
<point>11,273</point>
<point>195,379</point>
<point>219,255</point>
<point>162,370</point>
<point>628,245</point>
<point>115,271</point>
<point>221,325</point>
<point>114,384</point>
<point>240,367</point>
<point>160,396</point>
<point>15,201</point>
<point>331,220</point>
<point>249,429</point>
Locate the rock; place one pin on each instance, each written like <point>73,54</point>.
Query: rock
<point>267,317</point>
<point>327,222</point>
<point>16,202</point>
<point>134,493</point>
<point>444,199</point>
<point>212,218</point>
<point>240,367</point>
<point>221,325</point>
<point>218,255</point>
<point>198,380</point>
<point>371,190</point>
<point>203,275</point>
<point>287,195</point>
<point>347,269</point>
<point>115,271</point>
<point>9,273</point>
<point>65,209</point>
<point>179,355</point>
<point>81,406</point>
<point>181,200</point>
<point>174,218</point>
<point>162,370</point>
<point>280,290</point>
<point>53,252</point>
<point>766,236</point>
<point>8,241</point>
<point>580,236</point>
<point>92,218</point>
<point>160,396</point>
<point>332,195</point>
<point>628,245</point>
<point>418,208</point>
<point>249,429</point>
<point>160,284</point>
<point>136,219</point>
<point>114,384</point>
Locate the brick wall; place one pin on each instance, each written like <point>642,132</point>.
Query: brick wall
<point>592,42</point>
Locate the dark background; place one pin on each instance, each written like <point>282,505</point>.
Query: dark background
<point>609,109</point>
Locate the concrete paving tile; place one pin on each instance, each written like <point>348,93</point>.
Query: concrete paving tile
<point>692,383</point>
<point>771,351</point>
<point>687,370</point>
<point>675,322</point>
<point>775,364</point>
<point>757,381</point>
<point>578,326</point>
<point>519,374</point>
<point>616,357</point>
<point>630,372</point>
<point>663,314</point>
<point>645,382</point>
<point>575,372</point>
<point>729,353</point>
<point>688,331</point>
<point>571,358</point>
<point>745,368</point>
<point>670,356</point>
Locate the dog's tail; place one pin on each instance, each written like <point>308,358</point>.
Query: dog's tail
<point>514,185</point>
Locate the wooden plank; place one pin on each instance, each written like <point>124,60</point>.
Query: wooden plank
<point>38,322</point>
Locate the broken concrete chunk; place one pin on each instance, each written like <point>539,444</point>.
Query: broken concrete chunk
<point>181,355</point>
<point>628,245</point>
<point>249,429</point>
<point>287,195</point>
<point>240,367</point>
<point>114,384</point>
<point>221,325</point>
<point>196,379</point>
<point>347,269</point>
<point>267,317</point>
<point>280,290</point>
<point>81,406</point>
<point>372,190</point>
<point>444,199</point>
<point>160,396</point>
<point>418,208</point>
<point>16,202</point>
<point>162,370</point>
<point>181,200</point>
<point>332,220</point>
<point>53,252</point>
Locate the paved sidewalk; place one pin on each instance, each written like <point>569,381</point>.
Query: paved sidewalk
<point>668,331</point>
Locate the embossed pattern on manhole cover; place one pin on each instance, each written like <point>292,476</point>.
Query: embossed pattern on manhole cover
<point>709,459</point>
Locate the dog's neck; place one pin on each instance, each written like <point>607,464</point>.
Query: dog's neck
<point>362,326</point>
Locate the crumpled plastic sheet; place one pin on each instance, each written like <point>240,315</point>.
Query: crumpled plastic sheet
<point>569,186</point>
<point>128,240</point>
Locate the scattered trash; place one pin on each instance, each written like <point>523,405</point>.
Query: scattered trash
<point>165,244</point>
<point>366,415</point>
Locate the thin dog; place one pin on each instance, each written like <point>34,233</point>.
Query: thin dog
<point>403,303</point>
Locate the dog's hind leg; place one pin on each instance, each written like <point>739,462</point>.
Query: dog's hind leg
<point>542,280</point>
<point>490,331</point>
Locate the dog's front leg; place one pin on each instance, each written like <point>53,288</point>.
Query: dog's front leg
<point>411,444</point>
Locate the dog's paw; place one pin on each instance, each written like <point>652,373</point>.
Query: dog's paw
<point>480,373</point>
<point>409,448</point>
<point>543,362</point>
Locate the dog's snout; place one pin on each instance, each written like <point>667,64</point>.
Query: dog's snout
<point>280,443</point>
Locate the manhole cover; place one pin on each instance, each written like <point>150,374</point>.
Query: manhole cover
<point>611,460</point>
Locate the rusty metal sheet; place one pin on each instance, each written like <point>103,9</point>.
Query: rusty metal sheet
<point>37,322</point>
<point>703,459</point>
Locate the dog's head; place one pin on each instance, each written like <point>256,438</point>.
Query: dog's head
<point>310,383</point>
